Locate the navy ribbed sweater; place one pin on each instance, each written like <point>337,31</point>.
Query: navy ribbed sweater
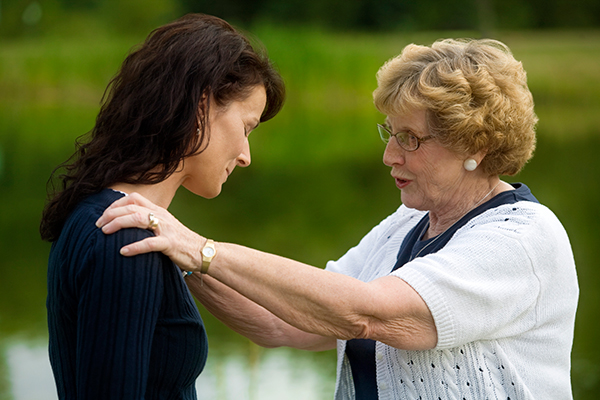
<point>119,327</point>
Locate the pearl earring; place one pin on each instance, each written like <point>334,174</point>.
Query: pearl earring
<point>470,164</point>
<point>198,131</point>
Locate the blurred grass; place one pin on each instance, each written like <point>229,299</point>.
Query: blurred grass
<point>317,183</point>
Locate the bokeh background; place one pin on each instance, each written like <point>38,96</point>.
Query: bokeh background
<point>317,183</point>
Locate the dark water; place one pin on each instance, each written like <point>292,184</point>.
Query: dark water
<point>312,213</point>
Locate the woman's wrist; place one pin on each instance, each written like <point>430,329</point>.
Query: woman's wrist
<point>207,253</point>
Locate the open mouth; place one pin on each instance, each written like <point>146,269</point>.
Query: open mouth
<point>402,183</point>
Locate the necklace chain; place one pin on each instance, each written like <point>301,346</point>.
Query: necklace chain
<point>436,238</point>
<point>483,198</point>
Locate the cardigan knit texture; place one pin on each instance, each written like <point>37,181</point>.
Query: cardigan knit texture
<point>119,327</point>
<point>503,294</point>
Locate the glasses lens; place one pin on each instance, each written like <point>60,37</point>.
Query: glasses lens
<point>407,141</point>
<point>384,133</point>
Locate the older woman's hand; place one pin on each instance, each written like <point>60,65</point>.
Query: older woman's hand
<point>172,238</point>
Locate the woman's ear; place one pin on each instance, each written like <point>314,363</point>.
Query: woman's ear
<point>203,105</point>
<point>480,155</point>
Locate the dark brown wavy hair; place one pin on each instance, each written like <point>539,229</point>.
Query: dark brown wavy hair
<point>151,110</point>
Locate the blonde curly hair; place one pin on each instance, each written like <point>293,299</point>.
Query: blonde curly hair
<point>475,94</point>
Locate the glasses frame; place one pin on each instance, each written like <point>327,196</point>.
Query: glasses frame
<point>401,137</point>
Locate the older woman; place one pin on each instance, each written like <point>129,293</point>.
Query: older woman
<point>178,113</point>
<point>467,291</point>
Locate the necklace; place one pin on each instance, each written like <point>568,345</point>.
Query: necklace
<point>437,237</point>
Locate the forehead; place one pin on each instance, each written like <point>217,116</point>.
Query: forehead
<point>412,120</point>
<point>251,106</point>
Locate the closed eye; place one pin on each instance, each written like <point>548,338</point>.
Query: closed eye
<point>247,131</point>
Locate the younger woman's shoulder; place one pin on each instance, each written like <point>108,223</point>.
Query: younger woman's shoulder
<point>80,230</point>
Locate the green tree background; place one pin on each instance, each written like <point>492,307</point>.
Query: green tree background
<point>19,17</point>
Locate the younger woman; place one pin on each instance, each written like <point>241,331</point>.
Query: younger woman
<point>178,113</point>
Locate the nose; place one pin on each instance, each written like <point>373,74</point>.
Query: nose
<point>244,159</point>
<point>393,154</point>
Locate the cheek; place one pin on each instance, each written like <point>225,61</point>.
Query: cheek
<point>426,172</point>
<point>437,176</point>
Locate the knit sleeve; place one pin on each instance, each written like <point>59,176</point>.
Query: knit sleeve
<point>119,302</point>
<point>485,283</point>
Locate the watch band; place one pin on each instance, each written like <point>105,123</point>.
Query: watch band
<point>208,253</point>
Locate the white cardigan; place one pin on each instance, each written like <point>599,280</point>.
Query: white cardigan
<point>503,293</point>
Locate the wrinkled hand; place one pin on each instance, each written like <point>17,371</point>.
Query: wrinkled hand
<point>172,238</point>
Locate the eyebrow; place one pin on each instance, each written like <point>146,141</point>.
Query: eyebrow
<point>404,129</point>
<point>387,123</point>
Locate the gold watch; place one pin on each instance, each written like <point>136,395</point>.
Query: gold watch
<point>208,253</point>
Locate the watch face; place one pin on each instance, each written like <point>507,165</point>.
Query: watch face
<point>208,252</point>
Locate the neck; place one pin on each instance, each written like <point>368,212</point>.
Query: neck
<point>439,222</point>
<point>161,193</point>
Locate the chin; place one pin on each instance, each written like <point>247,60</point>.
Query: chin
<point>206,193</point>
<point>408,202</point>
<point>211,194</point>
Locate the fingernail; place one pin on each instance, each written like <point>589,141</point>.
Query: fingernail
<point>124,251</point>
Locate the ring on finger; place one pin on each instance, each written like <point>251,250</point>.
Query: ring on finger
<point>153,224</point>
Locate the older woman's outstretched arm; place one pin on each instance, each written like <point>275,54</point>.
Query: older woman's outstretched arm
<point>312,300</point>
<point>326,303</point>
<point>250,319</point>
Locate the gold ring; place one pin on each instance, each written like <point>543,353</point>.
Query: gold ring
<point>153,222</point>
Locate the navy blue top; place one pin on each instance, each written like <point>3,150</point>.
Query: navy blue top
<point>361,352</point>
<point>119,327</point>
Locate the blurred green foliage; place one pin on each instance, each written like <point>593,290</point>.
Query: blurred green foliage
<point>26,17</point>
<point>317,183</point>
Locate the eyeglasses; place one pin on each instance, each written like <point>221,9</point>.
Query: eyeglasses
<point>407,141</point>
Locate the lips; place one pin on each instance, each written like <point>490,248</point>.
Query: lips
<point>402,183</point>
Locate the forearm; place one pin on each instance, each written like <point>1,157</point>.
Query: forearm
<point>305,297</point>
<point>326,303</point>
<point>250,319</point>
